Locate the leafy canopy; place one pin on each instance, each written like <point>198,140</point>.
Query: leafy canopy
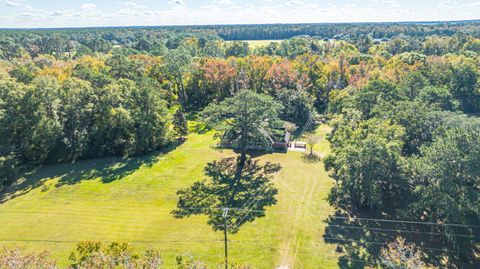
<point>244,118</point>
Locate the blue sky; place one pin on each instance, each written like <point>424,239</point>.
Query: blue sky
<point>81,13</point>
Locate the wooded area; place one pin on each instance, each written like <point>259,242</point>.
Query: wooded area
<point>403,100</point>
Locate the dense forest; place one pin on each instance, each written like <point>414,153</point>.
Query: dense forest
<point>403,101</point>
<point>318,30</point>
<point>342,30</point>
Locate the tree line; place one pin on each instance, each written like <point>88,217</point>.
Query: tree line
<point>156,40</point>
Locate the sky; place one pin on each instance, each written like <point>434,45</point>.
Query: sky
<point>86,13</point>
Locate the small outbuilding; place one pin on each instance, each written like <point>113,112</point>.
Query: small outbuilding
<point>282,145</point>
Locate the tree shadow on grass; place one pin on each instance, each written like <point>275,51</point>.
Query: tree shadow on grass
<point>107,169</point>
<point>361,239</point>
<point>259,153</point>
<point>254,154</point>
<point>311,158</point>
<point>199,128</point>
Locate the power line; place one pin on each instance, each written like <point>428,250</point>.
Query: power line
<point>131,241</point>
<point>204,241</point>
<point>252,198</point>
<point>396,221</point>
<point>383,244</point>
<point>401,231</point>
<point>371,219</point>
<point>246,214</point>
<point>250,207</point>
<point>407,222</point>
<point>242,209</point>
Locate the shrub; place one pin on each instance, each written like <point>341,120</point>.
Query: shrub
<point>92,255</point>
<point>15,259</point>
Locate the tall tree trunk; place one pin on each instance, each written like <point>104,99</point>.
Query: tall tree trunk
<point>182,94</point>
<point>243,142</point>
<point>240,163</point>
<point>243,154</point>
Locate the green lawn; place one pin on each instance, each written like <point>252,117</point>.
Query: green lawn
<point>112,199</point>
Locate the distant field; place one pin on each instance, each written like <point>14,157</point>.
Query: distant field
<point>260,43</point>
<point>111,199</point>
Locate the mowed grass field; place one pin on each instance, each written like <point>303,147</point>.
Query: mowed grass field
<point>113,199</point>
<point>260,43</point>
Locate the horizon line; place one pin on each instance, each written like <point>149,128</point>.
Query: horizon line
<point>240,24</point>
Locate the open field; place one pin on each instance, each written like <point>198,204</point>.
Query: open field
<point>111,199</point>
<point>260,43</point>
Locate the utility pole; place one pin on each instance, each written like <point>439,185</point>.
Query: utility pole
<point>225,215</point>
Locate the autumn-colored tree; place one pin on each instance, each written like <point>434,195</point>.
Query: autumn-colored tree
<point>282,75</point>
<point>220,75</point>
<point>257,70</point>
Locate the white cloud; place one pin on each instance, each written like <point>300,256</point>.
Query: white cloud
<point>295,3</point>
<point>132,12</point>
<point>56,14</point>
<point>210,7</point>
<point>474,4</point>
<point>224,2</point>
<point>14,3</point>
<point>88,6</point>
<point>27,14</point>
<point>88,10</point>
<point>134,5</point>
<point>177,2</point>
<point>385,1</point>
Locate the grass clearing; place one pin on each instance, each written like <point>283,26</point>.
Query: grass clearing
<point>112,199</point>
<point>259,43</point>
